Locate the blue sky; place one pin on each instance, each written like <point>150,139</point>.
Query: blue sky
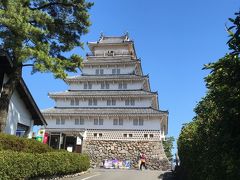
<point>173,38</point>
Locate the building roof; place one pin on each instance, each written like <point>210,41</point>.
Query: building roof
<point>113,41</point>
<point>105,93</point>
<point>104,111</point>
<point>23,91</point>
<point>105,77</point>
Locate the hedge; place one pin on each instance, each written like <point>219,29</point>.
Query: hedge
<point>21,165</point>
<point>14,143</point>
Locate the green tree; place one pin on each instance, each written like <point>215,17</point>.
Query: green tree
<point>168,146</point>
<point>209,146</point>
<point>39,33</point>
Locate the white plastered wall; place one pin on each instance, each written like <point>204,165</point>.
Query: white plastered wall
<point>152,123</point>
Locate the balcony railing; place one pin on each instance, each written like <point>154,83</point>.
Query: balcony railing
<point>109,54</point>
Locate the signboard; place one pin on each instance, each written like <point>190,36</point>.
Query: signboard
<point>79,141</point>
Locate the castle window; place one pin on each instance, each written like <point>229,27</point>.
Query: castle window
<point>132,102</point>
<point>130,135</point>
<point>89,85</point>
<point>97,71</point>
<point>115,71</point>
<point>111,102</point>
<point>115,122</point>
<point>151,135</point>
<point>120,86</point>
<point>124,85</point>
<point>107,85</point>
<point>72,102</point>
<point>120,122</point>
<point>138,122</point>
<point>58,121</point>
<point>85,86</point>
<point>127,102</point>
<point>145,135</point>
<point>62,121</point>
<point>95,121</point>
<point>124,135</point>
<point>95,134</point>
<point>118,71</point>
<point>92,102</point>
<point>100,135</point>
<point>135,122</point>
<point>77,102</point>
<point>104,85</point>
<point>81,122</point>
<point>98,121</point>
<point>76,121</point>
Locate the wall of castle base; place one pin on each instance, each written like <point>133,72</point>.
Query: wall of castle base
<point>100,150</point>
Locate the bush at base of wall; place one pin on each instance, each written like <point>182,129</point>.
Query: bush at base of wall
<point>14,143</point>
<point>21,165</point>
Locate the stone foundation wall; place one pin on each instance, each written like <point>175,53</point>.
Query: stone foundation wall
<point>98,150</point>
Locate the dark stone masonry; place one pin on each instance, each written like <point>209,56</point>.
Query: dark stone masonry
<point>99,150</point>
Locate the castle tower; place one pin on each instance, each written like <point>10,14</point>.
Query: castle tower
<point>109,110</point>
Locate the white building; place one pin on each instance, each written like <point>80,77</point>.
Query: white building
<point>110,100</point>
<point>23,112</point>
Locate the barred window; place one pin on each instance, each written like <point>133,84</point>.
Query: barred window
<point>100,122</point>
<point>140,122</point>
<point>108,102</point>
<point>132,101</point>
<point>115,122</point>
<point>81,121</point>
<point>124,85</point>
<point>135,122</point>
<point>76,121</point>
<point>97,71</point>
<point>72,102</point>
<point>58,121</point>
<point>77,102</point>
<point>118,71</point>
<point>121,122</point>
<point>85,86</point>
<point>95,121</point>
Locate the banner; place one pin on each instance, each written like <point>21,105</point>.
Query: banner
<point>117,164</point>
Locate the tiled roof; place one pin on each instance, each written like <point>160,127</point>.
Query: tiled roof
<point>112,39</point>
<point>106,93</point>
<point>108,76</point>
<point>103,111</point>
<point>110,61</point>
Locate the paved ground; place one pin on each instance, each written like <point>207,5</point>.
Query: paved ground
<point>118,174</point>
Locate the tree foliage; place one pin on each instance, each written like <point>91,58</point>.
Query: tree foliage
<point>40,33</point>
<point>209,146</point>
<point>168,146</point>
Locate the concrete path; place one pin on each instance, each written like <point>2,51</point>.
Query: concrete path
<point>118,174</point>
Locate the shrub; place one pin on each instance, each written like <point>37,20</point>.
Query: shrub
<point>21,165</point>
<point>14,143</point>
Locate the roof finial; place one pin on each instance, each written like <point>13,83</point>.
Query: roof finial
<point>126,35</point>
<point>101,36</point>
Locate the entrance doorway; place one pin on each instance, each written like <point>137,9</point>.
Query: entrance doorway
<point>70,143</point>
<point>54,141</point>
